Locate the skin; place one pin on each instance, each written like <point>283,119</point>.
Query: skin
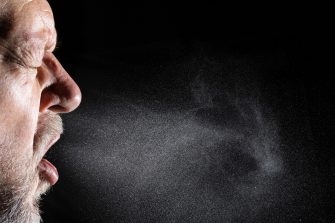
<point>34,89</point>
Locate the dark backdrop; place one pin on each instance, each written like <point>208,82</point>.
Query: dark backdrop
<point>207,114</point>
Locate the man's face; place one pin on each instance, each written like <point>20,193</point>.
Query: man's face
<point>34,88</point>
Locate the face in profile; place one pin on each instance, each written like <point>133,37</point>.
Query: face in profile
<point>34,89</point>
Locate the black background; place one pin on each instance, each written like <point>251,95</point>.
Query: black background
<point>96,35</point>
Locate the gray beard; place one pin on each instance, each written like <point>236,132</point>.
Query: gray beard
<point>14,208</point>
<point>18,200</point>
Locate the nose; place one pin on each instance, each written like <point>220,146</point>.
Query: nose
<point>62,94</point>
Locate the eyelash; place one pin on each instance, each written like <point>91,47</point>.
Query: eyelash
<point>12,58</point>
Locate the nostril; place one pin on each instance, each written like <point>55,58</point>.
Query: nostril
<point>60,97</point>
<point>48,99</point>
<point>56,108</point>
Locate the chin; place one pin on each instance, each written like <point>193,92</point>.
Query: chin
<point>38,188</point>
<point>31,210</point>
<point>20,209</point>
<point>22,200</point>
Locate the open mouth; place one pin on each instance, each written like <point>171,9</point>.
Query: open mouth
<point>47,170</point>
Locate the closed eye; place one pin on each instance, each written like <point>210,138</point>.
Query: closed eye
<point>11,56</point>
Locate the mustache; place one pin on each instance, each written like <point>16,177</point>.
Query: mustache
<point>49,126</point>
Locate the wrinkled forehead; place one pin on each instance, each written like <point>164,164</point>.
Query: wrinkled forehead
<point>21,5</point>
<point>26,19</point>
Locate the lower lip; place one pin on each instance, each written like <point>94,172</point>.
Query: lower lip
<point>48,171</point>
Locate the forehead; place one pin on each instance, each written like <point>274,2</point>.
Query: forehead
<point>23,20</point>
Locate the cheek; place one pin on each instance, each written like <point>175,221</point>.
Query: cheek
<point>19,107</point>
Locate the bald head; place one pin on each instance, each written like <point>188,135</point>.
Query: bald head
<point>28,26</point>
